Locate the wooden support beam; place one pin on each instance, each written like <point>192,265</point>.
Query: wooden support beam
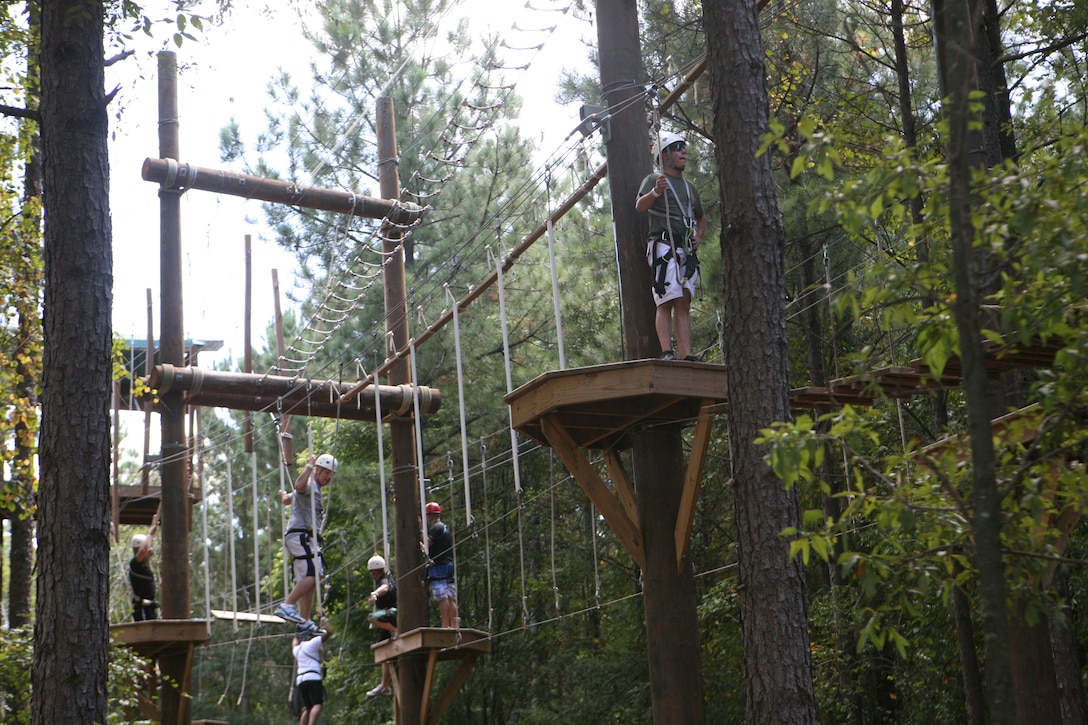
<point>428,681</point>
<point>182,177</point>
<point>621,482</point>
<point>693,478</point>
<point>579,466</point>
<point>451,689</point>
<point>438,645</point>
<point>284,395</point>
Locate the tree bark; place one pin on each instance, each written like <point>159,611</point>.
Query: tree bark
<point>71,632</point>
<point>955,35</point>
<point>771,585</point>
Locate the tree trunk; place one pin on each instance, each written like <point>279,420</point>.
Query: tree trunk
<point>954,49</point>
<point>71,632</point>
<point>771,585</point>
<point>973,694</point>
<point>1068,661</point>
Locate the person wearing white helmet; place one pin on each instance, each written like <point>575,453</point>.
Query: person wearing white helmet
<point>140,577</point>
<point>677,228</point>
<point>384,617</point>
<point>303,538</point>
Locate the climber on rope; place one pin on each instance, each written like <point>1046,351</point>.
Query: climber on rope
<point>303,539</point>
<point>677,227</point>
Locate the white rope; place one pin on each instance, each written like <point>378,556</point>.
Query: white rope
<point>283,487</point>
<point>596,559</point>
<point>551,496</point>
<point>204,516</point>
<point>314,493</point>
<point>419,445</point>
<point>230,537</point>
<point>521,558</point>
<point>461,400</point>
<point>487,535</point>
<point>555,297</point>
<point>381,471</point>
<point>506,360</point>
<point>256,532</point>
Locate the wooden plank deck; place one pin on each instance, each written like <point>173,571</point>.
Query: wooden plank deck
<point>598,404</point>
<point>152,637</point>
<point>446,644</point>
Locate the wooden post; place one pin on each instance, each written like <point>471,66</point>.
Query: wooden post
<point>175,535</point>
<point>672,631</point>
<point>411,593</point>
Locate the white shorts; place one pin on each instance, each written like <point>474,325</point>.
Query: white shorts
<point>674,286</point>
<point>306,558</point>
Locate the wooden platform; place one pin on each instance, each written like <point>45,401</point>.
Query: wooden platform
<point>598,405</point>
<point>447,644</point>
<point>437,645</point>
<point>137,507</point>
<point>152,637</point>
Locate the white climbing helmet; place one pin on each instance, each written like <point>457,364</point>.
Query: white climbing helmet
<point>326,460</point>
<point>138,540</point>
<point>376,562</point>
<point>666,139</point>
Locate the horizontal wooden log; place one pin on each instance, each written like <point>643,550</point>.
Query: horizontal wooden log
<point>289,396</point>
<point>181,177</point>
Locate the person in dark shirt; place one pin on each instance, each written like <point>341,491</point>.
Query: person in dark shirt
<point>140,577</point>
<point>384,617</point>
<point>440,574</point>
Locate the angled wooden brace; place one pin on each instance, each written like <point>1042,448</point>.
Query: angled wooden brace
<point>585,474</point>
<point>693,478</point>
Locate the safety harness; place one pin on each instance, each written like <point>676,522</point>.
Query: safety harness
<point>660,264</point>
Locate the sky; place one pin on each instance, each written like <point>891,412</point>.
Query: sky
<point>224,75</point>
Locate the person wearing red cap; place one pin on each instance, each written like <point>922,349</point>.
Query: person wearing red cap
<point>440,574</point>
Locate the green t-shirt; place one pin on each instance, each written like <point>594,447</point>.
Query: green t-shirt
<point>679,203</point>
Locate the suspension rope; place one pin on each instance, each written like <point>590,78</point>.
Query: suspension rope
<point>282,438</point>
<point>506,361</point>
<point>381,472</point>
<point>551,497</point>
<point>256,533</point>
<point>461,401</point>
<point>555,280</point>
<point>230,538</point>
<point>487,534</point>
<point>204,516</point>
<point>419,444</point>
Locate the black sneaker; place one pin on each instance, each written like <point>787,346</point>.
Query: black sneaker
<point>668,355</point>
<point>692,358</point>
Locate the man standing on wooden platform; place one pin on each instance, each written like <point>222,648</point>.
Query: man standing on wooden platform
<point>384,617</point>
<point>440,574</point>
<point>303,538</point>
<point>677,227</point>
